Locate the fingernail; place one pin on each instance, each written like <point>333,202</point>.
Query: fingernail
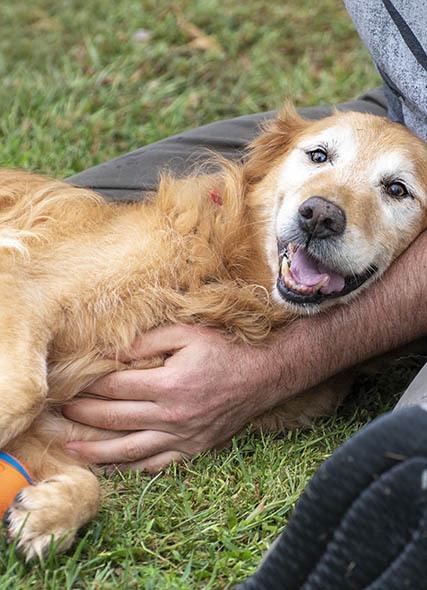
<point>70,450</point>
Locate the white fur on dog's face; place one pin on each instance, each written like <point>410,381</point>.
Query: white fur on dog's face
<point>365,156</point>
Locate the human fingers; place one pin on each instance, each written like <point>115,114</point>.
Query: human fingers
<point>133,384</point>
<point>160,341</point>
<point>131,448</point>
<point>115,415</point>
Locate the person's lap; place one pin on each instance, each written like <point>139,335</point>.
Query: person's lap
<point>129,176</point>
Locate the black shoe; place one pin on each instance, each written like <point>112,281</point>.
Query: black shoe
<point>361,523</point>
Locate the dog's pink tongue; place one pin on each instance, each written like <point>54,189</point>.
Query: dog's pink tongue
<point>307,271</point>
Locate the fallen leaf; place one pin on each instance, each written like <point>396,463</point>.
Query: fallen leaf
<point>200,40</point>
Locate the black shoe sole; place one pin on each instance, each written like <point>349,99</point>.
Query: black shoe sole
<point>361,523</point>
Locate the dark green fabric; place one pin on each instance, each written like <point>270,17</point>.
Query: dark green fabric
<point>128,176</point>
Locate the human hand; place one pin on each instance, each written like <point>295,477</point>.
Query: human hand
<point>206,392</point>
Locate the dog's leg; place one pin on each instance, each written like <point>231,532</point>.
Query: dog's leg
<point>23,344</point>
<point>63,497</point>
<point>65,494</point>
<point>50,512</point>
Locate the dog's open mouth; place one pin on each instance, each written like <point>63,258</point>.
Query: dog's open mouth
<point>303,279</point>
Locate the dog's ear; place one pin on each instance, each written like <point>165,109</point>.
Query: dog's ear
<point>273,142</point>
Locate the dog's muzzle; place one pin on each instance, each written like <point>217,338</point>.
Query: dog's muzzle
<point>305,280</point>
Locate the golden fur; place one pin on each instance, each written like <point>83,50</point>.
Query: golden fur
<point>81,277</point>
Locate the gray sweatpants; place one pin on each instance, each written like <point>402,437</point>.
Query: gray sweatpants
<point>129,176</point>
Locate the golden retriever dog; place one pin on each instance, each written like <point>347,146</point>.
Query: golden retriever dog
<point>317,212</point>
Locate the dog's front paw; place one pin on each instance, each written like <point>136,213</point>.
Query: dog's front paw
<point>39,519</point>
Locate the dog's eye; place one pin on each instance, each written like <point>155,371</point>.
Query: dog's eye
<point>397,190</point>
<point>318,156</point>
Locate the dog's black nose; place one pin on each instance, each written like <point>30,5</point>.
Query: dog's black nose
<point>320,218</point>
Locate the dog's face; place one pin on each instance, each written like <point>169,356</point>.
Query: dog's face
<point>350,194</point>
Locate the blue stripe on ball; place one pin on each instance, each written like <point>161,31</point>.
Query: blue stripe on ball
<point>9,459</point>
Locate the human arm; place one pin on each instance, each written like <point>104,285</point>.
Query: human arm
<point>210,388</point>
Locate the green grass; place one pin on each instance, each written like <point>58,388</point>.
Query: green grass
<point>205,524</point>
<point>78,88</point>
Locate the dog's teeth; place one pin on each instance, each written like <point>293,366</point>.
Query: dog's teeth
<point>289,282</point>
<point>285,267</point>
<point>321,283</point>
<point>291,251</point>
<point>293,286</point>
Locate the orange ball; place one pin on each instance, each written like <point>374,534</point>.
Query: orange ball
<point>13,477</point>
